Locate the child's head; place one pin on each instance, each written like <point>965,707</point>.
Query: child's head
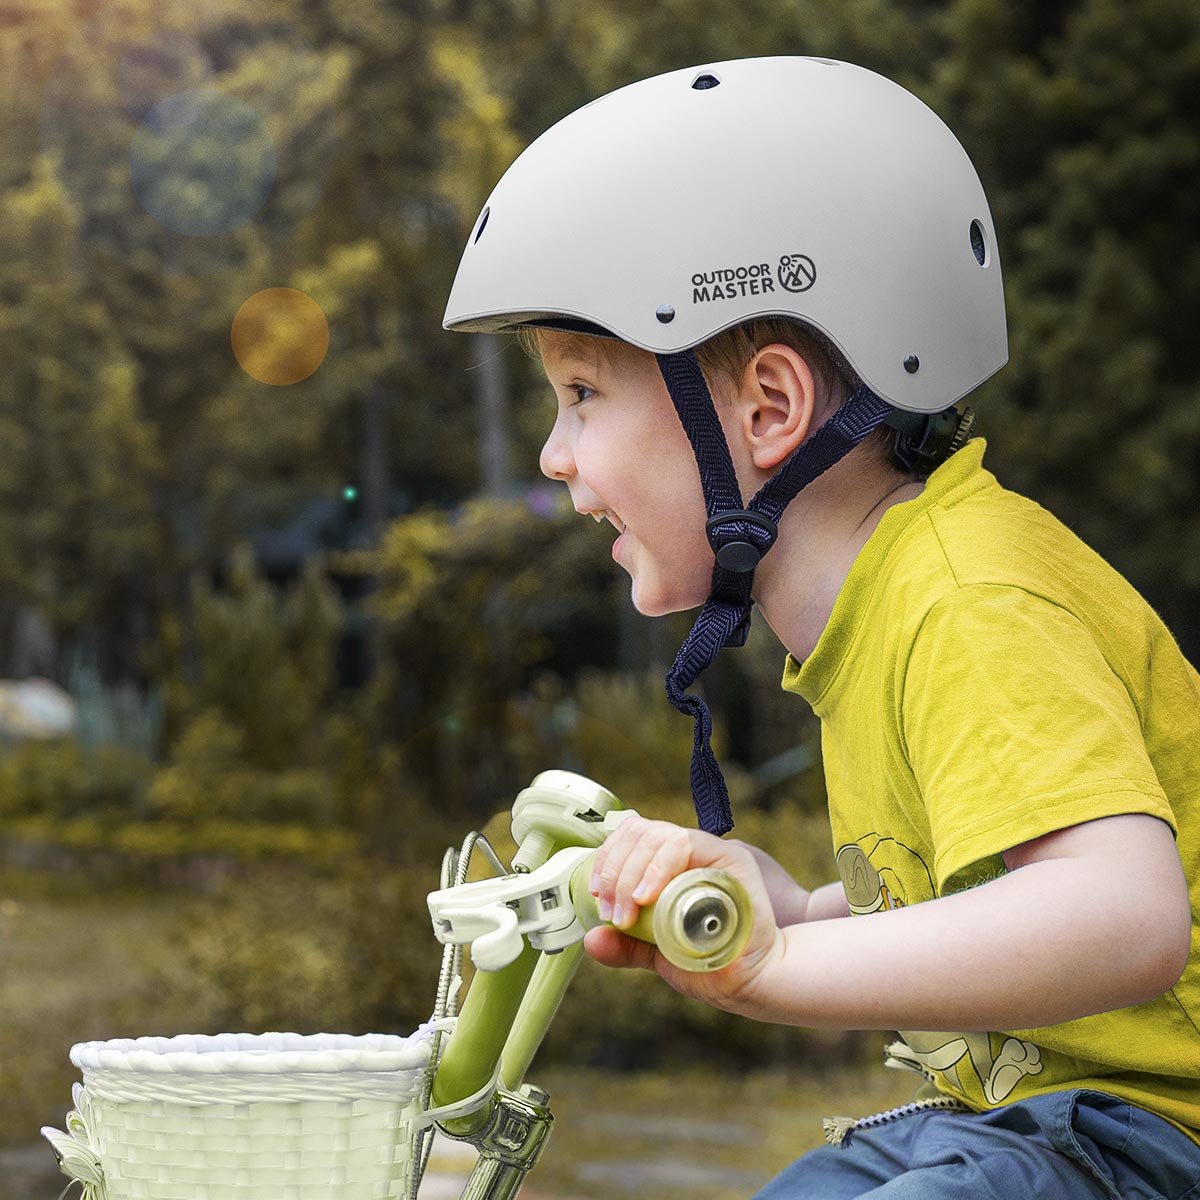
<point>619,447</point>
<point>678,214</point>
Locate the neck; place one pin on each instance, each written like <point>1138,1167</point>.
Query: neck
<point>820,536</point>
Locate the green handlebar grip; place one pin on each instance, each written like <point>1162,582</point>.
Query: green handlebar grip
<point>700,922</point>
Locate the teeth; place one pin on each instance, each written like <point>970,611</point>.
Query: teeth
<point>605,514</point>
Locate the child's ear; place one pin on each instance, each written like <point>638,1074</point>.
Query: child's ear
<point>776,404</point>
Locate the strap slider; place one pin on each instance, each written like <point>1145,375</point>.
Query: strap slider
<point>741,634</point>
<point>734,551</point>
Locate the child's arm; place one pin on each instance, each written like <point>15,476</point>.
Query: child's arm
<point>790,902</point>
<point>1090,918</point>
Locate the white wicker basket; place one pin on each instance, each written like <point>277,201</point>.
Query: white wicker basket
<point>273,1116</point>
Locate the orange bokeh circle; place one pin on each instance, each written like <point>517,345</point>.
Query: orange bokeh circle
<point>280,336</point>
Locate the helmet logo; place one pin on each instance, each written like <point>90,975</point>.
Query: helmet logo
<point>729,283</point>
<point>797,272</point>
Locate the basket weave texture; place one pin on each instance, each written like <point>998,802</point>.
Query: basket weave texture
<point>275,1116</point>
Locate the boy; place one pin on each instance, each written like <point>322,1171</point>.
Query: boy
<point>1008,731</point>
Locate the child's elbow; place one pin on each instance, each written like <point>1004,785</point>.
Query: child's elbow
<point>1172,948</point>
<point>1176,962</point>
<point>1160,937</point>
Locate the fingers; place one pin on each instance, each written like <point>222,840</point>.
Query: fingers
<point>671,857</point>
<point>634,865</point>
<point>631,868</point>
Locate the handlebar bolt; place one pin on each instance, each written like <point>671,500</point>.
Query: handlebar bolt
<point>706,918</point>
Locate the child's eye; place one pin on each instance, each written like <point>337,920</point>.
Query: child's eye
<point>582,392</point>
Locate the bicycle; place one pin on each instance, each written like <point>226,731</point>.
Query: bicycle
<point>350,1118</point>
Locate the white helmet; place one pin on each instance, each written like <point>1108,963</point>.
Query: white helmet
<point>688,203</point>
<point>683,205</point>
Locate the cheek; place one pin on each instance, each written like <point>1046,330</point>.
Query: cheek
<point>672,570</point>
<point>671,497</point>
<point>646,472</point>
<point>671,475</point>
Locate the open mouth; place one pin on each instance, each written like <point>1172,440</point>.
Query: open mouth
<point>605,514</point>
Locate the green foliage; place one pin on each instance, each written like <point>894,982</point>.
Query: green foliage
<point>477,129</point>
<point>256,664</point>
<point>82,805</point>
<point>109,845</point>
<point>78,459</point>
<point>282,950</point>
<point>262,764</point>
<point>207,778</point>
<point>61,779</point>
<point>615,728</point>
<point>524,587</point>
<point>261,734</point>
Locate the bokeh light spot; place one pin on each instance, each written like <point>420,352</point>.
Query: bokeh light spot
<point>202,163</point>
<point>280,336</point>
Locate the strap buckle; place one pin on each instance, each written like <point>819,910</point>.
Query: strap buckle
<point>923,441</point>
<point>734,551</point>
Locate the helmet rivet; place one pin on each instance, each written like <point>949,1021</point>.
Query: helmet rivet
<point>665,313</point>
<point>912,364</point>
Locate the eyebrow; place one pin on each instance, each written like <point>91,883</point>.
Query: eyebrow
<point>568,359</point>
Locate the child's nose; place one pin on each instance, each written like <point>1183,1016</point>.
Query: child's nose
<point>556,460</point>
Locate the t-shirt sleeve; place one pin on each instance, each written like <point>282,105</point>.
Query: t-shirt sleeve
<point>1016,726</point>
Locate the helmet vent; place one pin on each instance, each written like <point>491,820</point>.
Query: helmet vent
<point>483,220</point>
<point>703,82</point>
<point>978,245</point>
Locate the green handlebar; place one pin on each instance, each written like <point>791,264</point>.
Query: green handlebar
<point>700,922</point>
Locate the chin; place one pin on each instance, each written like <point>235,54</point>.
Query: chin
<point>661,602</point>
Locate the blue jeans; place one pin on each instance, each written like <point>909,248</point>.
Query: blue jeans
<point>1077,1145</point>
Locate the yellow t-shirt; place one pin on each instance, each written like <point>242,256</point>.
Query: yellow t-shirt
<point>984,679</point>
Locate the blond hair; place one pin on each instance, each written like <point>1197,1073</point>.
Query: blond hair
<point>726,354</point>
<point>723,358</point>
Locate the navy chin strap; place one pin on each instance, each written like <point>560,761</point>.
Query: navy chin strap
<point>739,536</point>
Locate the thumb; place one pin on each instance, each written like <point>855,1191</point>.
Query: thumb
<point>612,948</point>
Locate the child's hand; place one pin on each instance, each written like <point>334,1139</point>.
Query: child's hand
<point>634,865</point>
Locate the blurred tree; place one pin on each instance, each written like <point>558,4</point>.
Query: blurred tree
<point>1084,121</point>
<point>78,456</point>
<point>470,605</point>
<point>260,658</point>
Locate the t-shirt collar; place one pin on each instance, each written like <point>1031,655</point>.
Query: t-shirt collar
<point>813,677</point>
